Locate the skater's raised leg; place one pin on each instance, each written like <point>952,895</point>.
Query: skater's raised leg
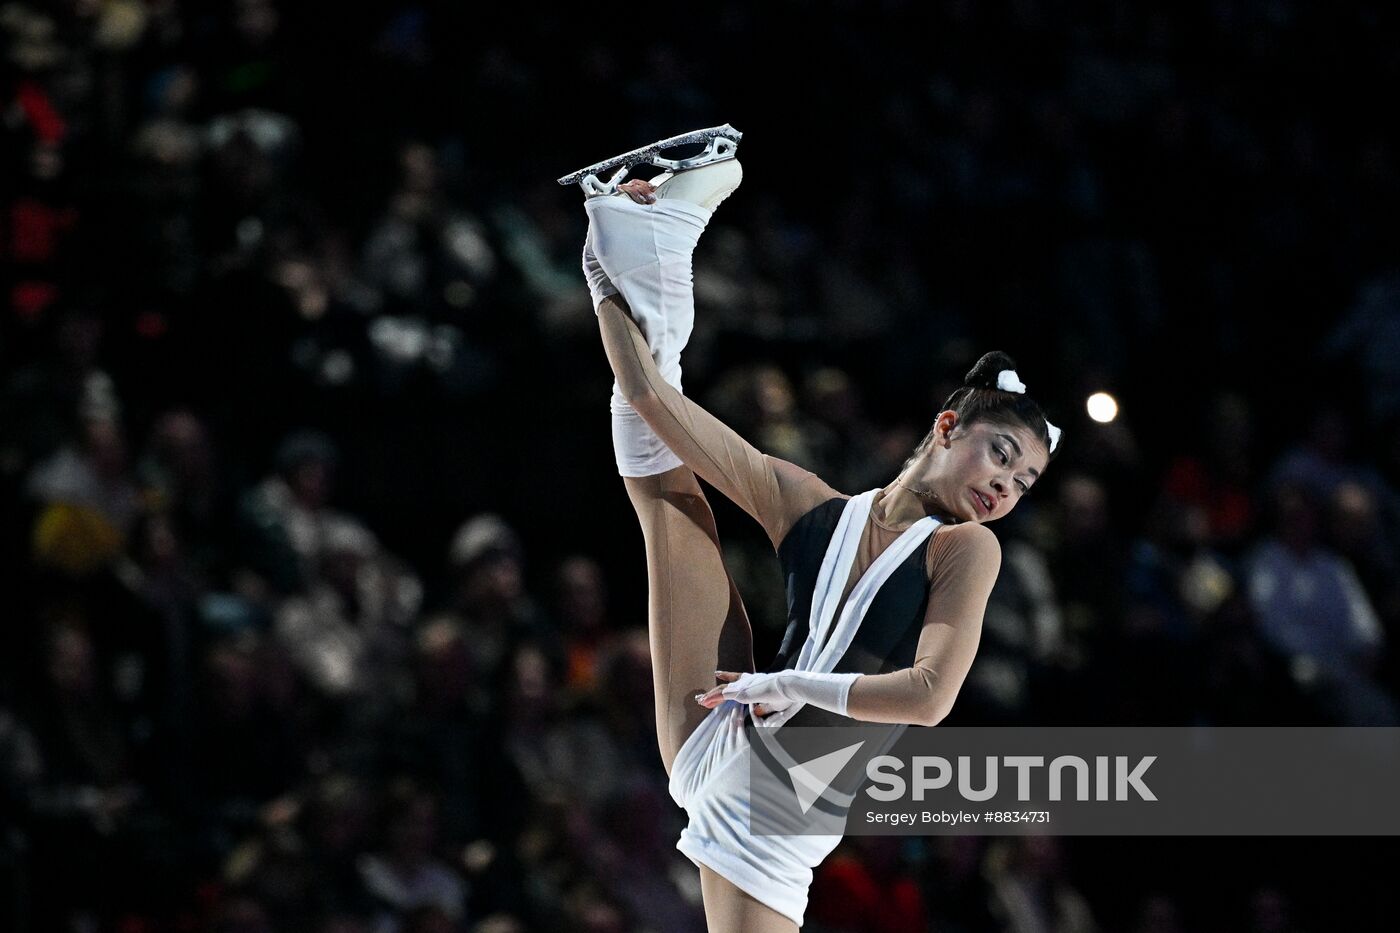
<point>695,618</point>
<point>697,623</point>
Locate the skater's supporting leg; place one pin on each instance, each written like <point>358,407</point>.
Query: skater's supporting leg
<point>733,910</point>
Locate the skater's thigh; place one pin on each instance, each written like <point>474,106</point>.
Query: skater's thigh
<point>730,909</point>
<point>696,619</point>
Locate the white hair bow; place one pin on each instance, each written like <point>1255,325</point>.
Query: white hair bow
<point>1007,381</point>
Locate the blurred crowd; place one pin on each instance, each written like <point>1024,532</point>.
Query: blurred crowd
<point>324,609</point>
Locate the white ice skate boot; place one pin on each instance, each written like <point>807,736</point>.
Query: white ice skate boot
<point>704,180</point>
<point>706,186</point>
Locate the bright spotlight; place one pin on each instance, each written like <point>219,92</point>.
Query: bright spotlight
<point>1103,407</point>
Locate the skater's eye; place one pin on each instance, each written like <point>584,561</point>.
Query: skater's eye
<point>1002,454</point>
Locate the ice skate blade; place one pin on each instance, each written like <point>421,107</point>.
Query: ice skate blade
<point>723,143</point>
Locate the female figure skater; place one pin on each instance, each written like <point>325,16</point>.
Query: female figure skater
<point>886,590</point>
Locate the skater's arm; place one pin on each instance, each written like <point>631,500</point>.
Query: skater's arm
<point>776,493</point>
<point>966,563</point>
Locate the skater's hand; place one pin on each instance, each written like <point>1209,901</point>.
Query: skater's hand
<point>643,192</point>
<point>763,691</point>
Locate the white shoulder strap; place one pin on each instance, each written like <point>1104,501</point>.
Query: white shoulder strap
<point>835,571</point>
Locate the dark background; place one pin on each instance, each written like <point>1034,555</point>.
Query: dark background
<point>324,605</point>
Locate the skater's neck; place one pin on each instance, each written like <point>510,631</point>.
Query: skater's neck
<point>898,507</point>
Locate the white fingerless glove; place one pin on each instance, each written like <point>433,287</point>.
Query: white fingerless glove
<point>779,690</point>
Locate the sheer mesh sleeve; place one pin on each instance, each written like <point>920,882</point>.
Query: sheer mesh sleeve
<point>965,560</point>
<point>775,492</point>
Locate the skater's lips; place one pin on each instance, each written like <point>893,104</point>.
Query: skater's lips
<point>983,500</point>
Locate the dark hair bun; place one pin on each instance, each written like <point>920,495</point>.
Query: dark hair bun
<point>984,374</point>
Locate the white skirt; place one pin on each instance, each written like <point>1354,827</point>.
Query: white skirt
<point>710,779</point>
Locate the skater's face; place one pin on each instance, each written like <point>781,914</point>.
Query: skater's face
<point>979,471</point>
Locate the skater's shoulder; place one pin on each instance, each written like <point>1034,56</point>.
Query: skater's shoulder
<point>801,485</point>
<point>971,543</point>
<point>790,493</point>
